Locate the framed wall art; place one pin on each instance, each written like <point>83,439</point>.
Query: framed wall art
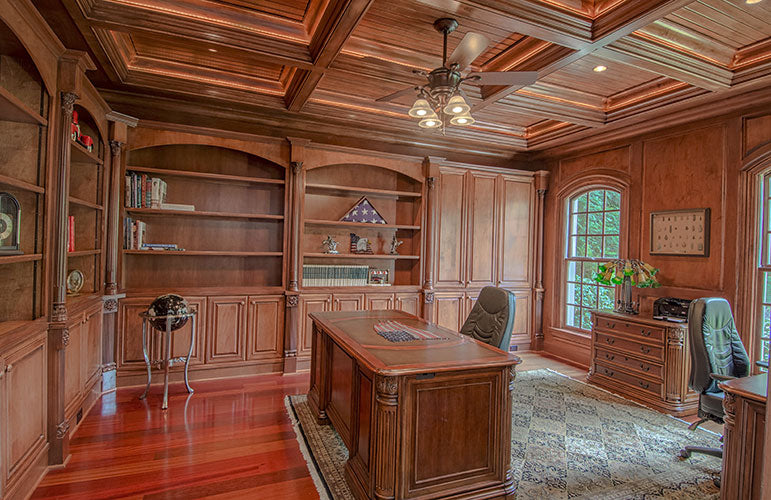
<point>680,232</point>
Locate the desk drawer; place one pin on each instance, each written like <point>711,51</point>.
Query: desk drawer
<point>653,370</point>
<point>633,381</point>
<point>650,333</point>
<point>630,346</point>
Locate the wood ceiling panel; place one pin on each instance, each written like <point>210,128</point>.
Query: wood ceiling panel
<point>580,76</point>
<point>391,28</point>
<point>205,55</point>
<point>732,23</point>
<point>288,9</point>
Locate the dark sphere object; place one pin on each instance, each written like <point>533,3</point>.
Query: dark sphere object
<point>167,305</point>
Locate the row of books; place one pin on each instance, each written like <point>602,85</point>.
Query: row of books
<point>135,238</point>
<point>334,275</point>
<point>143,191</point>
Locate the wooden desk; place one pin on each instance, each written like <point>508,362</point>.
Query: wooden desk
<point>743,437</point>
<point>424,418</point>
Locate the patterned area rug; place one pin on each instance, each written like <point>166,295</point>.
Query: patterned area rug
<point>569,440</point>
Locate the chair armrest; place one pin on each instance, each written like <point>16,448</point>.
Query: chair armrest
<point>720,378</point>
<point>762,364</point>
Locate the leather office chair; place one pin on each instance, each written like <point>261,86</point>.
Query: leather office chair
<point>717,354</point>
<point>492,318</point>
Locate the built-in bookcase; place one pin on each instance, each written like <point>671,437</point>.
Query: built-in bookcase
<point>24,109</point>
<point>86,206</point>
<point>234,236</point>
<point>332,190</point>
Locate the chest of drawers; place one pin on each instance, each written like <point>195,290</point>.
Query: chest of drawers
<point>644,360</point>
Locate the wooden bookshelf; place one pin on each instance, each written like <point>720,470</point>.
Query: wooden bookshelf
<point>13,259</point>
<point>79,154</point>
<point>13,109</point>
<point>26,186</point>
<point>233,237</point>
<point>398,198</point>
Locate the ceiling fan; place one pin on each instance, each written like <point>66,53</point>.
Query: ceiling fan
<point>442,97</point>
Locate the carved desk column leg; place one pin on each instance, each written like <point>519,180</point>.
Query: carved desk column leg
<point>729,477</point>
<point>508,483</point>
<point>386,436</point>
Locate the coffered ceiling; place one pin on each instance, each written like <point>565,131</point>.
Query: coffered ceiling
<point>315,67</point>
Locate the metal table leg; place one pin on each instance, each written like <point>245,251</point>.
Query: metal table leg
<point>147,358</point>
<point>166,363</point>
<point>190,353</point>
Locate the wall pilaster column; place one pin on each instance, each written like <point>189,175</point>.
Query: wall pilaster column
<point>541,186</point>
<point>113,218</point>
<point>430,238</point>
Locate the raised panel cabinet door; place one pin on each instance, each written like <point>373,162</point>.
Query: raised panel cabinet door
<point>226,331</point>
<point>380,301</point>
<point>450,245</point>
<point>408,302</point>
<point>24,406</point>
<point>522,328</point>
<point>92,346</point>
<point>265,323</point>
<point>481,250</point>
<point>129,348</point>
<point>310,304</point>
<point>449,309</point>
<point>348,301</point>
<point>468,303</point>
<point>73,359</point>
<point>516,233</point>
<point>180,339</point>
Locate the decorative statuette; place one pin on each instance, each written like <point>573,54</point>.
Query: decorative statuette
<point>360,245</point>
<point>395,244</point>
<point>330,245</point>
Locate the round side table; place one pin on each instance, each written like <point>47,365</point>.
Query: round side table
<point>167,361</point>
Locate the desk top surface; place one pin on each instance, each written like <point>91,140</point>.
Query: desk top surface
<point>755,387</point>
<point>355,332</point>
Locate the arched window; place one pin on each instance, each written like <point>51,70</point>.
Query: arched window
<point>764,269</point>
<point>591,238</point>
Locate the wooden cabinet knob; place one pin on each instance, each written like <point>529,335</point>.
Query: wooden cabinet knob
<point>644,385</point>
<point>609,373</point>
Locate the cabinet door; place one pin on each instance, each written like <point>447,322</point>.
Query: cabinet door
<point>226,329</point>
<point>515,256</point>
<point>481,250</point>
<point>450,231</point>
<point>349,302</point>
<point>92,347</point>
<point>468,303</point>
<point>24,407</point>
<point>180,339</point>
<point>449,308</point>
<point>265,321</point>
<point>522,328</point>
<point>73,359</point>
<point>380,301</point>
<point>408,302</point>
<point>309,304</point>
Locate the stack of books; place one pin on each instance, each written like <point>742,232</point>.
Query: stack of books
<point>135,238</point>
<point>333,275</point>
<point>144,192</point>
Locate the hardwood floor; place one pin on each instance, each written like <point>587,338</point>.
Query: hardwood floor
<point>231,439</point>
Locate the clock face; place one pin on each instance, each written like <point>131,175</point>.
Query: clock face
<point>6,228</point>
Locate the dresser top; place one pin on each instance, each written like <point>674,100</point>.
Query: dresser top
<point>639,319</point>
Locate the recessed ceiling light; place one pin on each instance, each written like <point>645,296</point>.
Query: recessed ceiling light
<point>599,69</point>
<point>212,50</point>
<point>752,1</point>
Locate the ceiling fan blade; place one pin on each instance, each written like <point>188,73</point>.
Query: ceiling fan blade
<point>508,78</point>
<point>468,49</point>
<point>398,94</point>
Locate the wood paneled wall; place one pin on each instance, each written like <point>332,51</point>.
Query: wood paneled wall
<point>704,165</point>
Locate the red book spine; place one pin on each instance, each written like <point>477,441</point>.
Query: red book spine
<point>71,233</point>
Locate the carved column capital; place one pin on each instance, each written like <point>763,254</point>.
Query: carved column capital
<point>292,300</point>
<point>431,182</point>
<point>68,103</point>
<point>512,377</point>
<point>296,167</point>
<point>59,312</point>
<point>387,386</point>
<point>676,337</point>
<point>541,192</point>
<point>428,297</point>
<point>115,147</point>
<point>62,429</point>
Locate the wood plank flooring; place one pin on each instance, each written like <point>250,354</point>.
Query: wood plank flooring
<point>231,439</point>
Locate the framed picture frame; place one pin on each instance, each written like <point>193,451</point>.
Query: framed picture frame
<point>680,232</point>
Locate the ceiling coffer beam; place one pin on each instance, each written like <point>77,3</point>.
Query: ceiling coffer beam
<point>337,22</point>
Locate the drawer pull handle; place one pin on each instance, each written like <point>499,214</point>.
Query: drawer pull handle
<point>645,350</point>
<point>645,367</point>
<point>609,357</point>
<point>645,333</point>
<point>609,340</point>
<point>609,373</point>
<point>644,385</point>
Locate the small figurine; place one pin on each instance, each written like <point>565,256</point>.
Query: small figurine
<point>87,142</point>
<point>74,127</point>
<point>395,244</point>
<point>330,245</point>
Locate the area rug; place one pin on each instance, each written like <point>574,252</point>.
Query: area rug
<point>570,440</point>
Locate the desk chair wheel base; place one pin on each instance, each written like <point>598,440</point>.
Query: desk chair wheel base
<point>686,452</point>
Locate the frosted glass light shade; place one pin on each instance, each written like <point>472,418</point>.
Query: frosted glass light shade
<point>431,121</point>
<point>462,119</point>
<point>420,109</point>
<point>456,106</point>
